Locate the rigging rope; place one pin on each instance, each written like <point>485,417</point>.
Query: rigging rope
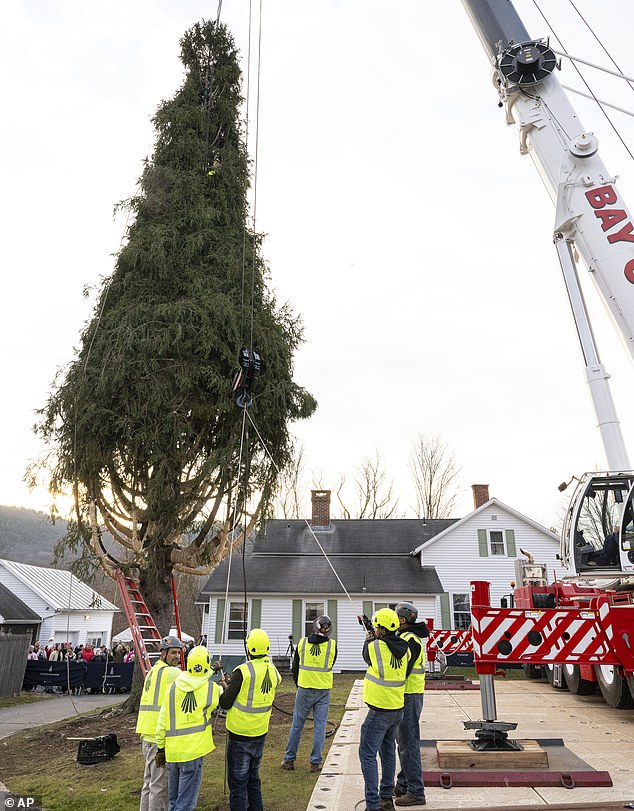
<point>225,620</point>
<point>605,50</point>
<point>596,100</point>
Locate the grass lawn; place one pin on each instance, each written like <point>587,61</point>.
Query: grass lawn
<point>23,698</point>
<point>42,762</point>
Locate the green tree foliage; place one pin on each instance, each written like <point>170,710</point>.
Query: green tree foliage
<point>142,423</point>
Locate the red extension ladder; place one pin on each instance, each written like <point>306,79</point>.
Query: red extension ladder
<point>144,630</point>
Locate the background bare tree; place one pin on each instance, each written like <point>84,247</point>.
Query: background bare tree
<point>435,472</point>
<point>374,493</point>
<point>291,492</point>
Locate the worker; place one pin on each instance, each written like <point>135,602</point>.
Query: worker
<point>609,554</point>
<point>410,788</point>
<point>183,729</point>
<point>158,679</point>
<point>248,699</point>
<point>313,661</point>
<point>389,664</point>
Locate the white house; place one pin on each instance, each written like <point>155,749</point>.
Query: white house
<point>484,546</point>
<point>296,570</point>
<point>70,610</point>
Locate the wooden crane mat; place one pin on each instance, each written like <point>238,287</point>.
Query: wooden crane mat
<point>460,755</point>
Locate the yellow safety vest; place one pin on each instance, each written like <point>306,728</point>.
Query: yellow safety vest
<point>416,680</point>
<point>158,679</point>
<point>185,719</point>
<point>315,664</point>
<point>251,711</point>
<point>384,681</point>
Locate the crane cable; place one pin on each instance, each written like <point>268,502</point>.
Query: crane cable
<point>244,431</point>
<point>605,50</point>
<point>581,76</point>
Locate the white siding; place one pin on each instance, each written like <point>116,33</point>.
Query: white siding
<point>277,621</point>
<point>74,627</point>
<point>24,593</point>
<point>457,559</point>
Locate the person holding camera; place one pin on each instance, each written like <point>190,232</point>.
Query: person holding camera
<point>313,661</point>
<point>389,664</point>
<point>410,788</point>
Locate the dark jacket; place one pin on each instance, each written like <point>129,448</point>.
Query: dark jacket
<point>397,646</point>
<point>229,696</point>
<point>313,639</point>
<point>422,632</point>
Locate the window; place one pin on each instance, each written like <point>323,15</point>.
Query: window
<point>311,612</point>
<point>377,606</point>
<point>95,641</point>
<point>496,542</point>
<point>237,627</point>
<point>461,612</point>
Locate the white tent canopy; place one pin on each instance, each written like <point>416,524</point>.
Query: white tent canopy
<point>126,636</point>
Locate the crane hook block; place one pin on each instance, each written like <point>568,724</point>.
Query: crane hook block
<point>246,378</point>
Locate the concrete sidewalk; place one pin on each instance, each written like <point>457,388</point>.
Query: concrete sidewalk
<point>599,735</point>
<point>51,708</point>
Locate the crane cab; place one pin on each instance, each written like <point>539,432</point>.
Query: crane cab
<point>597,539</point>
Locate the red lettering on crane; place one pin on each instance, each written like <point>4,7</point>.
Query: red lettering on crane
<point>611,217</point>
<point>624,235</point>
<point>604,196</point>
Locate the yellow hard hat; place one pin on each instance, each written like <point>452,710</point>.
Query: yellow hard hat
<point>386,618</point>
<point>198,661</point>
<point>258,642</point>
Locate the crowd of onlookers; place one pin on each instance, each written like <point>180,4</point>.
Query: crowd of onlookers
<point>64,651</point>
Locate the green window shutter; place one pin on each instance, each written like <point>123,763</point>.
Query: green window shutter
<point>220,618</point>
<point>445,613</point>
<point>510,543</point>
<point>332,613</point>
<point>483,543</point>
<point>367,608</point>
<point>256,613</point>
<point>298,623</point>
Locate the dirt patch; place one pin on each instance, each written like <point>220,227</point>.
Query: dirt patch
<point>42,745</point>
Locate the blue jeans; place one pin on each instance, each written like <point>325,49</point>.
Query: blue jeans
<point>183,781</point>
<point>308,699</point>
<point>378,734</point>
<point>243,763</point>
<point>410,777</point>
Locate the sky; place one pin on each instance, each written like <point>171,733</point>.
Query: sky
<point>402,225</point>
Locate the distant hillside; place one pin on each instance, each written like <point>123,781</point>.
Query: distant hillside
<point>28,536</point>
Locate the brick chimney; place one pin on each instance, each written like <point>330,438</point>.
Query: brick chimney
<point>480,494</point>
<point>320,501</point>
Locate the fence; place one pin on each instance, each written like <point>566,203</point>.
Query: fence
<point>75,675</point>
<point>13,652</point>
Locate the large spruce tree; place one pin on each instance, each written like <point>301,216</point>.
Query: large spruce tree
<point>142,424</point>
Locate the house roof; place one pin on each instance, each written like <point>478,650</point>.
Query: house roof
<point>13,610</point>
<point>495,502</point>
<point>373,556</point>
<point>349,536</point>
<point>312,574</point>
<point>60,589</point>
